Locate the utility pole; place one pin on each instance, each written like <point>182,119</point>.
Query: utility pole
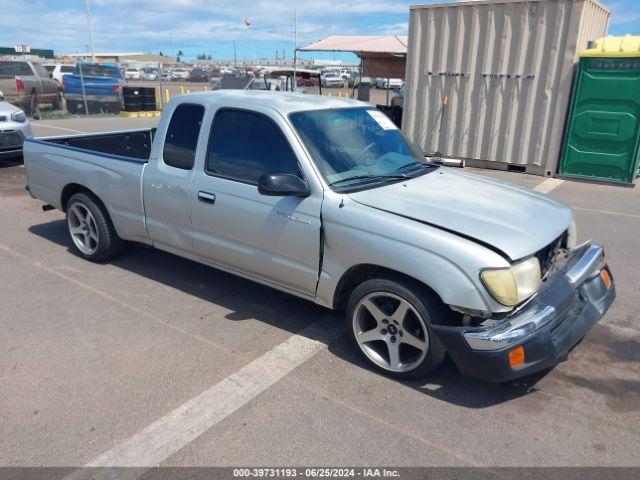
<point>93,55</point>
<point>294,83</point>
<point>235,59</point>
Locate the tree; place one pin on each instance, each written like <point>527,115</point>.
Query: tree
<point>180,55</point>
<point>161,54</point>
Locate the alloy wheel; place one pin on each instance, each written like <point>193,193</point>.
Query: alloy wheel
<point>83,228</point>
<point>390,332</point>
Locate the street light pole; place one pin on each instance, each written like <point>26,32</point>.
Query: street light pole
<point>294,84</point>
<point>93,55</point>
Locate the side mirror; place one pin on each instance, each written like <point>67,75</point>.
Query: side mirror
<point>50,75</point>
<point>1,95</point>
<point>282,184</point>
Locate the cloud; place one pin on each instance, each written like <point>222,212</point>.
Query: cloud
<point>211,26</point>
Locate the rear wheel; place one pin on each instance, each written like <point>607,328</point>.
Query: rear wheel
<point>389,322</point>
<point>91,229</point>
<point>57,101</point>
<point>33,107</point>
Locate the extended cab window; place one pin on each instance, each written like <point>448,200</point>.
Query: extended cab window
<point>244,145</point>
<point>182,136</point>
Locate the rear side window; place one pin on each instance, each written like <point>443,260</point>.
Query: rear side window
<point>182,136</point>
<point>244,145</point>
<point>66,69</point>
<point>10,69</point>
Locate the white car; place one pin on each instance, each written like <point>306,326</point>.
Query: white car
<point>14,128</point>
<point>132,74</point>
<point>150,74</point>
<point>332,79</point>
<point>346,74</point>
<point>58,71</point>
<point>392,83</point>
<point>180,74</point>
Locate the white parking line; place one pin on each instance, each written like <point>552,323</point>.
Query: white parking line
<point>167,435</point>
<point>56,127</point>
<point>548,185</point>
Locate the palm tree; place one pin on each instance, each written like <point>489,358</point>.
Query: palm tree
<point>180,54</point>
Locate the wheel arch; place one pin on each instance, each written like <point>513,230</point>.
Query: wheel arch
<point>357,274</point>
<point>71,189</point>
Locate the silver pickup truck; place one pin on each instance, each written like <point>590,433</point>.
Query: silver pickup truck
<point>325,199</point>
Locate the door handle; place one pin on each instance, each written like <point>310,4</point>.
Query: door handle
<point>206,197</point>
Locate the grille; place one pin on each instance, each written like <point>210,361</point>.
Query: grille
<point>10,140</point>
<point>548,254</point>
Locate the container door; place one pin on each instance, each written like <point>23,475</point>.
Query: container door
<point>603,135</point>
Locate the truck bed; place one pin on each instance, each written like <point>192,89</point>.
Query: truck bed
<point>110,165</point>
<point>131,143</point>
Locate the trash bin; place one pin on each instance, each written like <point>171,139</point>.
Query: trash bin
<point>364,92</point>
<point>132,99</point>
<point>603,133</point>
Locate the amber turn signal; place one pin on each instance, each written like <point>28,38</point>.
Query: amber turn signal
<point>606,278</point>
<point>516,357</point>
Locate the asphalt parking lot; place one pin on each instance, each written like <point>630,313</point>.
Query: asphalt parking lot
<point>96,359</point>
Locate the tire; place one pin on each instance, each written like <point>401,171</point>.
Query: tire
<point>418,352</point>
<point>34,108</point>
<point>90,227</point>
<point>72,106</point>
<point>57,102</point>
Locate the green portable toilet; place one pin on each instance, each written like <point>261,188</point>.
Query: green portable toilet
<point>603,134</point>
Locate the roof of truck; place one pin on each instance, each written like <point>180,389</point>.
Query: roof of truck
<point>283,102</point>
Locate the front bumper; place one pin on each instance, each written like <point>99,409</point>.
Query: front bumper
<point>568,304</point>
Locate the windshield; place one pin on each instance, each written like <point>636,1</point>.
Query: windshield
<point>354,147</point>
<point>93,70</point>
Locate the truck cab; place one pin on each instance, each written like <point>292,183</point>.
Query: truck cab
<point>324,198</point>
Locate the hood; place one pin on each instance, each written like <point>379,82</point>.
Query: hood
<point>6,108</point>
<point>512,219</point>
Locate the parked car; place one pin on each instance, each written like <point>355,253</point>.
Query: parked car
<point>150,74</point>
<point>57,71</point>
<point>28,85</point>
<point>332,80</point>
<point>199,75</point>
<point>345,74</point>
<point>388,83</point>
<point>179,74</point>
<point>330,203</point>
<point>14,129</point>
<point>132,74</point>
<point>166,75</point>
<point>102,88</point>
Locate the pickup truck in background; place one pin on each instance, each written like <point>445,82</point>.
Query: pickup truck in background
<point>100,83</point>
<point>28,85</point>
<point>324,198</point>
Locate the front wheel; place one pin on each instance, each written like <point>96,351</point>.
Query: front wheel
<point>389,322</point>
<point>91,229</point>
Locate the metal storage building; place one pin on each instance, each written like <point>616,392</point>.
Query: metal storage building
<point>490,81</point>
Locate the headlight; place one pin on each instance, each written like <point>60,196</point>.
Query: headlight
<point>511,286</point>
<point>572,235</point>
<point>19,116</point>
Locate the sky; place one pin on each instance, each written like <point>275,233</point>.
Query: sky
<point>212,26</point>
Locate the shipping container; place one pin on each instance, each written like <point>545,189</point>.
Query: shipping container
<point>490,81</point>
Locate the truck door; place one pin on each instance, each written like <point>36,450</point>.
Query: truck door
<point>167,180</point>
<point>272,238</point>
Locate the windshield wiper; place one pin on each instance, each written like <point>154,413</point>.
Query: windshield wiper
<point>392,176</point>
<point>413,164</point>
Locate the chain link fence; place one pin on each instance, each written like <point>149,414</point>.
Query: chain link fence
<point>58,90</point>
